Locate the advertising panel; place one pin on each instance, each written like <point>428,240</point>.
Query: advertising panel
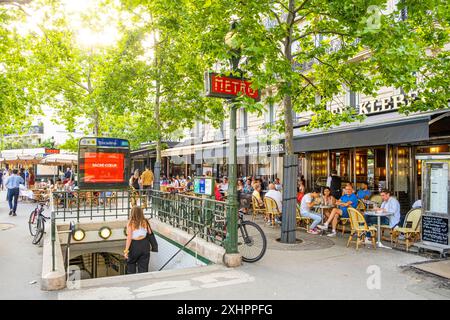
<point>104,163</point>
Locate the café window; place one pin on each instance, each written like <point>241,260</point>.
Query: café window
<point>319,168</point>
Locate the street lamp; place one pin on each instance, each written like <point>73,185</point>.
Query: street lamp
<point>232,199</point>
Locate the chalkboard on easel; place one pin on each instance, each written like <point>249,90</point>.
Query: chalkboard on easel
<point>435,229</point>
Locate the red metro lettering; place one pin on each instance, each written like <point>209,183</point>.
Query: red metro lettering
<point>232,87</point>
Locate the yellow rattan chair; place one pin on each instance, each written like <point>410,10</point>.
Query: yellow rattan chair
<point>411,228</point>
<point>302,220</point>
<point>359,228</point>
<point>257,209</point>
<point>272,210</point>
<point>377,199</point>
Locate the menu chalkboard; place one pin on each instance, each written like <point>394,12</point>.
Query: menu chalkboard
<point>435,229</point>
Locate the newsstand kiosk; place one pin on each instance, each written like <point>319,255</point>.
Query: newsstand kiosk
<point>435,202</point>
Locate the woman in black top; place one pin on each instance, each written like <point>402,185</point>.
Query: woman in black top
<point>134,180</point>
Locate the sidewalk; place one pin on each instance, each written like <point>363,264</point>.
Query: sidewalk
<point>318,268</point>
<point>20,260</point>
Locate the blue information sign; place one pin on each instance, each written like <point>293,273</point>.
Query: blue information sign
<point>111,142</point>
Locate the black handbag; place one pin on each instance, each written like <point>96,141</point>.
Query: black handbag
<point>152,239</point>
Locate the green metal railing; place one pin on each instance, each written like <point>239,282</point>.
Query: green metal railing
<point>204,217</point>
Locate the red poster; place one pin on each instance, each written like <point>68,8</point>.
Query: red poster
<point>103,167</point>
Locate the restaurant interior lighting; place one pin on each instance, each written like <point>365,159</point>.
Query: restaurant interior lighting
<point>105,233</point>
<point>79,234</point>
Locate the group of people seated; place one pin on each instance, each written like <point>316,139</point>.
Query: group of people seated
<point>338,208</point>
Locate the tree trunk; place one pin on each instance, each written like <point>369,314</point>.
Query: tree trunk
<point>288,233</point>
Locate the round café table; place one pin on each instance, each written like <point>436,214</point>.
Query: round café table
<point>379,215</point>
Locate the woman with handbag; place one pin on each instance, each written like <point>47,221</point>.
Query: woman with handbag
<point>137,248</point>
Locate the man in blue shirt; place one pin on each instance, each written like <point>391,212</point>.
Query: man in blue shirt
<point>347,200</point>
<point>13,191</point>
<point>364,192</point>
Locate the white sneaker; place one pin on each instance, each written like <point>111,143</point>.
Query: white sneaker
<point>332,234</point>
<point>367,241</point>
<point>324,227</point>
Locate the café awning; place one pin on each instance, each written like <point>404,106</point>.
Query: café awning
<point>60,159</point>
<point>365,135</point>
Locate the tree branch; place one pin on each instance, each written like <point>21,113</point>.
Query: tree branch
<point>309,81</point>
<point>321,32</point>
<point>77,83</point>
<point>301,6</point>
<point>276,17</point>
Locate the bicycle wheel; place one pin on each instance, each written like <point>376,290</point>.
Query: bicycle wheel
<point>39,231</point>
<point>252,242</point>
<point>32,222</point>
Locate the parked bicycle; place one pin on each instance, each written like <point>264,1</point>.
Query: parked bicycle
<point>252,242</point>
<point>36,222</point>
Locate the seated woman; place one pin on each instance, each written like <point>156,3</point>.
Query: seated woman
<point>248,186</point>
<point>257,195</point>
<point>327,200</point>
<point>347,200</point>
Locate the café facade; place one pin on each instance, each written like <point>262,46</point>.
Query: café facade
<point>381,150</point>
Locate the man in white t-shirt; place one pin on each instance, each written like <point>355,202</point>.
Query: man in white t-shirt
<point>275,195</point>
<point>305,210</point>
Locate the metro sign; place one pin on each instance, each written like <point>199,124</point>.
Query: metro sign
<point>229,87</point>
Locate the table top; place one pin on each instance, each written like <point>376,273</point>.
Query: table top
<point>380,214</point>
<point>324,206</point>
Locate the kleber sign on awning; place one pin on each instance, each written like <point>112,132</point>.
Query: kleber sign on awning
<point>229,87</point>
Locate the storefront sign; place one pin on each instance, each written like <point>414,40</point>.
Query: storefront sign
<point>263,149</point>
<point>383,105</point>
<point>229,87</point>
<point>52,151</point>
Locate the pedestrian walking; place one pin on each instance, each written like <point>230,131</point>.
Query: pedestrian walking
<point>137,248</point>
<point>12,185</point>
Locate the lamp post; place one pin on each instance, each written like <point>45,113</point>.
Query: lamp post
<point>232,199</point>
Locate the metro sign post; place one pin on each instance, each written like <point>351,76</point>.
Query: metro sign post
<point>230,87</point>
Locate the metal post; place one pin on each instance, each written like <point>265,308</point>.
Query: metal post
<point>53,239</point>
<point>232,202</point>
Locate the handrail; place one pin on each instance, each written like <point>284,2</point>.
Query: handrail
<point>178,252</point>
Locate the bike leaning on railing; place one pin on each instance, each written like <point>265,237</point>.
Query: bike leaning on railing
<point>252,242</point>
<point>36,222</point>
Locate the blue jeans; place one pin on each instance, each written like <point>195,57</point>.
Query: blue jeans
<point>13,193</point>
<point>317,219</point>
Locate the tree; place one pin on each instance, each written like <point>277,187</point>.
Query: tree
<point>346,44</point>
<point>157,77</point>
<point>18,98</point>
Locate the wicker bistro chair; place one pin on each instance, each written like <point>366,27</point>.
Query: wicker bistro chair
<point>377,199</point>
<point>411,228</point>
<point>272,210</point>
<point>138,198</point>
<point>359,228</point>
<point>302,220</point>
<point>343,222</point>
<point>257,209</point>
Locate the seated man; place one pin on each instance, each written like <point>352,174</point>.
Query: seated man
<point>275,195</point>
<point>364,192</point>
<point>389,204</point>
<point>305,209</point>
<point>347,200</point>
